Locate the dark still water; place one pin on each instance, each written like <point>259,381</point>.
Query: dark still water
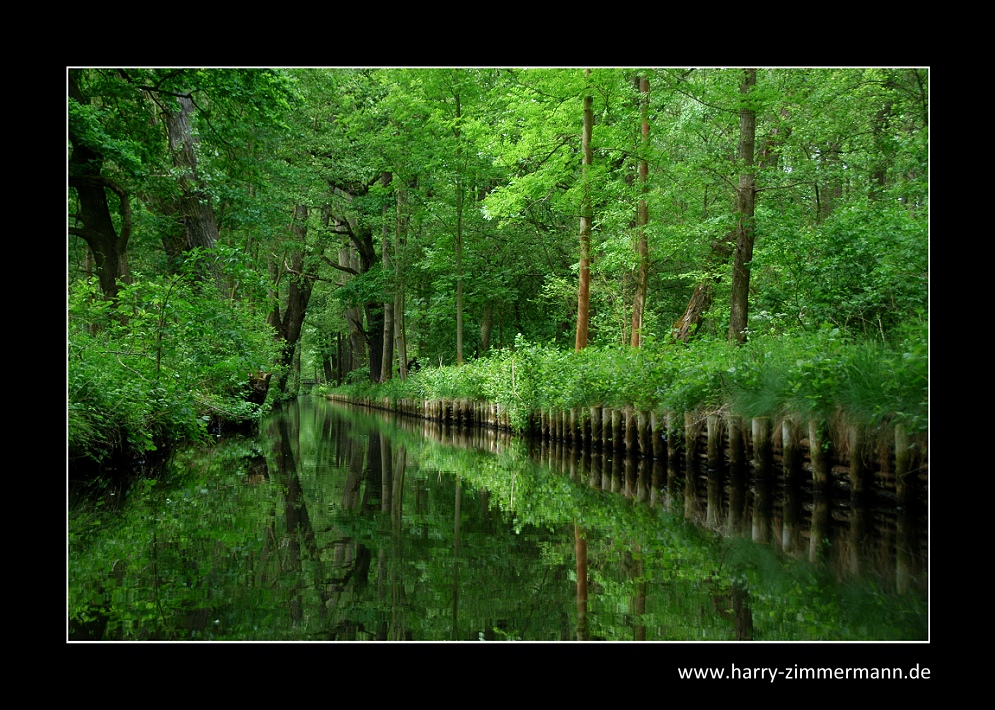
<point>339,524</point>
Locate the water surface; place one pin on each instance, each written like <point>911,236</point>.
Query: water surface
<point>343,524</point>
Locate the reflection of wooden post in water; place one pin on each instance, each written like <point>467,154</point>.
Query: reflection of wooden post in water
<point>737,500</point>
<point>859,498</point>
<point>617,475</point>
<point>714,486</point>
<point>820,482</point>
<point>792,515</point>
<point>386,484</point>
<point>580,548</point>
<point>820,525</point>
<point>905,477</point>
<point>630,475</point>
<point>906,555</point>
<point>860,517</point>
<point>594,469</point>
<point>643,466</point>
<point>658,482</point>
<point>762,460</point>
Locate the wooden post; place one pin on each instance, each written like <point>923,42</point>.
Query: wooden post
<point>691,448</point>
<point>737,450</point>
<point>791,452</point>
<point>820,464</point>
<point>858,472</point>
<point>631,433</point>
<point>904,477</point>
<point>643,423</point>
<point>596,432</point>
<point>762,454</point>
<point>714,433</point>
<point>673,451</point>
<point>618,441</point>
<point>657,432</point>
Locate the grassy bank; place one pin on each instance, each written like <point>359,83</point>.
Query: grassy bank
<point>823,376</point>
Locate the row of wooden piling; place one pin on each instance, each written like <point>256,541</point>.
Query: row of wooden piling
<point>714,440</point>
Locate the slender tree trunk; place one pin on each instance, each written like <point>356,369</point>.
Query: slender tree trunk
<point>745,195</point>
<point>326,367</point>
<point>586,216</point>
<point>459,236</point>
<point>387,356</point>
<point>400,335</point>
<point>740,239</point>
<point>642,219</point>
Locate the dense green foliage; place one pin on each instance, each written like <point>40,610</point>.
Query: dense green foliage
<point>310,222</point>
<point>159,365</point>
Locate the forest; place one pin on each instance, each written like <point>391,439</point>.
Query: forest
<point>745,240</point>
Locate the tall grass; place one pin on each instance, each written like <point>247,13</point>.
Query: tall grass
<point>824,375</point>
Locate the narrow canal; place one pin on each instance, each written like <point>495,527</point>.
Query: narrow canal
<point>344,524</point>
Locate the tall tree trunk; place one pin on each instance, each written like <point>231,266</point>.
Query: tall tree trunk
<point>400,335</point>
<point>94,223</point>
<point>194,203</point>
<point>701,300</point>
<point>387,354</point>
<point>745,195</point>
<point>361,237</point>
<point>642,219</point>
<point>486,325</point>
<point>326,367</point>
<point>459,235</point>
<point>356,348</point>
<point>291,322</point>
<point>586,216</point>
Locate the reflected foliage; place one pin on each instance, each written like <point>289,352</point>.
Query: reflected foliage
<point>339,525</point>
